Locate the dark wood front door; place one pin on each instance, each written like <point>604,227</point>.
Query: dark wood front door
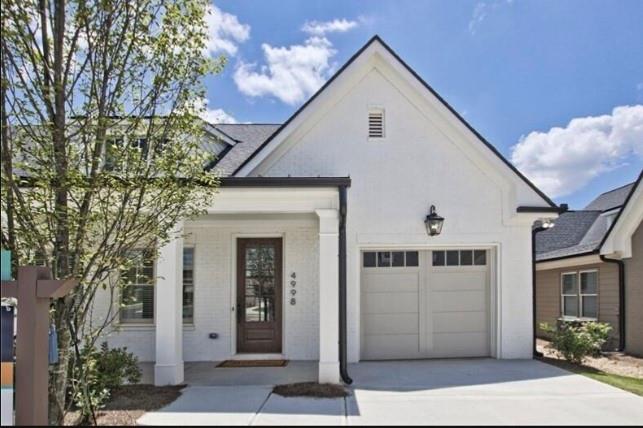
<point>259,283</point>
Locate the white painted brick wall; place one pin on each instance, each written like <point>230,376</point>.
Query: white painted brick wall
<point>213,243</point>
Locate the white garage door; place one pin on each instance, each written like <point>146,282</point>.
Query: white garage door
<point>426,304</point>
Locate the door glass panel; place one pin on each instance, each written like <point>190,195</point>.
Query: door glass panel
<point>260,283</point>
<point>398,258</point>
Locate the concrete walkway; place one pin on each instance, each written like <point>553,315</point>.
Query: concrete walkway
<point>437,392</point>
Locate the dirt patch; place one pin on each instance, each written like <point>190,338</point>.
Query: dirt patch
<point>612,362</point>
<point>130,402</point>
<point>311,389</point>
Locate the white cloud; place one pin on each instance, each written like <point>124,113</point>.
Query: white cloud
<point>563,160</point>
<point>217,115</point>
<point>482,10</point>
<point>225,31</point>
<point>316,28</point>
<point>293,73</point>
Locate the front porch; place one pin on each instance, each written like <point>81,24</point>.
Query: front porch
<point>298,222</point>
<point>207,373</point>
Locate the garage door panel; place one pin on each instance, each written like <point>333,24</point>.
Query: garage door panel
<point>424,311</point>
<point>379,324</point>
<point>392,282</point>
<point>390,303</point>
<point>459,345</point>
<point>458,280</point>
<point>460,322</point>
<point>388,347</point>
<point>451,301</point>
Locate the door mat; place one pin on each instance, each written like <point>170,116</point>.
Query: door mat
<point>253,363</point>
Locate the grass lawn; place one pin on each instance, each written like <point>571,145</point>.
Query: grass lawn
<point>631,384</point>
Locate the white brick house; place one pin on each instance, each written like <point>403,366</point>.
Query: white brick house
<point>330,204</point>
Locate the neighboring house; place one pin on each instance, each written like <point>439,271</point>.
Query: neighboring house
<point>586,260</point>
<point>316,247</point>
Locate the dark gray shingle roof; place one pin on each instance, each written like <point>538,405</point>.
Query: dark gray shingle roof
<point>580,232</point>
<point>569,230</point>
<point>249,137</point>
<point>612,199</point>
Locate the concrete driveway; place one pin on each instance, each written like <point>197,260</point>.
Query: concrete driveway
<point>436,392</point>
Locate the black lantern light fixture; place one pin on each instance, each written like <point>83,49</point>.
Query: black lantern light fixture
<point>433,222</point>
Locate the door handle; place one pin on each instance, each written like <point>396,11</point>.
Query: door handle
<point>238,312</point>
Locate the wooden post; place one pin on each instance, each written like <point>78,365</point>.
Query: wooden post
<point>33,289</point>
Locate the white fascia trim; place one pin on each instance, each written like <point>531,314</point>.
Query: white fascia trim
<point>256,200</point>
<point>619,241</point>
<point>570,262</point>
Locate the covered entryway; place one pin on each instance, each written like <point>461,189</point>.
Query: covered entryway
<point>425,304</point>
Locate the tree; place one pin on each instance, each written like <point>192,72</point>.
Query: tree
<point>101,145</point>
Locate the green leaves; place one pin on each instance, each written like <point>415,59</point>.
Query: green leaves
<point>127,71</point>
<point>576,340</point>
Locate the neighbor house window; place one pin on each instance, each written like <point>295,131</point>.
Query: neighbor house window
<point>579,294</point>
<point>137,298</point>
<point>188,285</point>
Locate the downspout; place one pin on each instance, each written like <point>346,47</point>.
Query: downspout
<point>534,320</point>
<point>343,365</point>
<point>621,300</point>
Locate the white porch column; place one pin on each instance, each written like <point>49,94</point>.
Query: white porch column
<point>168,369</point>
<point>328,295</point>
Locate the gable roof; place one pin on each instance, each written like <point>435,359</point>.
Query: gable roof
<point>248,138</point>
<point>373,40</point>
<point>626,208</point>
<point>583,232</point>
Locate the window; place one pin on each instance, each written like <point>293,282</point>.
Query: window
<point>387,259</point>
<point>137,298</point>
<point>459,258</point>
<point>188,285</point>
<point>376,123</point>
<point>579,294</point>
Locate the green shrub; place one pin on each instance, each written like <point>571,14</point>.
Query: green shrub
<point>97,373</point>
<point>575,341</point>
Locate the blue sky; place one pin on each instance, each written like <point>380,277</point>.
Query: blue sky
<point>513,69</point>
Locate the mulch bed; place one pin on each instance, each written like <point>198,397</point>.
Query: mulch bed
<point>311,389</point>
<point>128,403</point>
<point>613,362</point>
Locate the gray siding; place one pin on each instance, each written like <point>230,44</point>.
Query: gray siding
<point>634,296</point>
<point>548,296</point>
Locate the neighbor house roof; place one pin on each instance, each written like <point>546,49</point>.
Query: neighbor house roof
<point>248,137</point>
<point>610,200</point>
<point>581,232</point>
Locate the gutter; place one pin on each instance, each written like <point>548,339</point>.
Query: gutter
<point>621,300</point>
<point>343,365</point>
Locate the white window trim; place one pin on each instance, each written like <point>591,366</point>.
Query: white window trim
<point>582,295</point>
<point>143,323</point>
<point>578,295</point>
<point>190,323</point>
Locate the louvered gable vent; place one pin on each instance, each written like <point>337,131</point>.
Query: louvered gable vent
<point>376,124</point>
